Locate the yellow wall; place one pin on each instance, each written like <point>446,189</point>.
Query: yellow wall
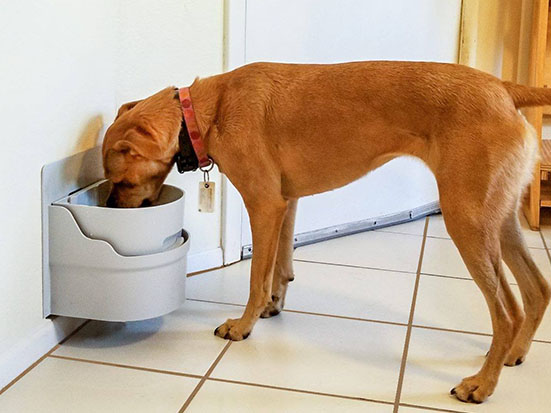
<point>499,31</point>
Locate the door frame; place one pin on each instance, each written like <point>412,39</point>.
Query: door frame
<point>468,32</point>
<point>235,26</point>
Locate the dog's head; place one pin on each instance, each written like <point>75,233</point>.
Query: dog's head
<point>139,149</point>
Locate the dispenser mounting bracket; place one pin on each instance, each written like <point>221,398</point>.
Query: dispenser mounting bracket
<point>59,179</point>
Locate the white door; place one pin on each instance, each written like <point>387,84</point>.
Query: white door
<point>329,31</point>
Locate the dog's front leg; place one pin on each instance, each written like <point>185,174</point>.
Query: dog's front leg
<point>266,219</point>
<point>283,270</point>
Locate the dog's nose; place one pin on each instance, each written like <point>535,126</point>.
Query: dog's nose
<point>145,203</point>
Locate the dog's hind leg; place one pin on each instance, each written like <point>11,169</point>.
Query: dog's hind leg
<point>477,239</point>
<point>534,288</point>
<point>266,215</point>
<point>283,271</point>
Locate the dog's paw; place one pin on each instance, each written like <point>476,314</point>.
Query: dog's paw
<point>515,358</point>
<point>231,330</point>
<point>518,352</point>
<point>273,308</point>
<point>473,390</point>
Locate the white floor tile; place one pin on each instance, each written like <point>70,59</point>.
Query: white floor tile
<point>437,227</point>
<point>227,285</point>
<point>368,249</point>
<point>420,409</point>
<point>437,361</point>
<point>353,292</point>
<point>546,231</point>
<point>324,354</point>
<point>533,238</point>
<point>451,303</point>
<point>545,225</point>
<point>416,227</point>
<point>320,288</point>
<point>182,341</point>
<point>441,257</point>
<point>57,385</point>
<point>459,305</point>
<point>228,397</point>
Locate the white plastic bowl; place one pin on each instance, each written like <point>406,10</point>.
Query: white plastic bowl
<point>130,231</point>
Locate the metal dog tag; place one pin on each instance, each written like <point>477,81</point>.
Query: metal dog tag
<point>206,196</point>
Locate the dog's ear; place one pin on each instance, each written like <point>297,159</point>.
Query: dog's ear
<point>136,144</point>
<point>126,107</point>
<point>125,146</point>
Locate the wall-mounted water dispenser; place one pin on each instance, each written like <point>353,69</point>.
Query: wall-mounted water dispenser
<point>114,264</point>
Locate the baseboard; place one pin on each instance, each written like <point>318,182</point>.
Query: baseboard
<point>28,350</point>
<point>350,228</point>
<point>205,260</point>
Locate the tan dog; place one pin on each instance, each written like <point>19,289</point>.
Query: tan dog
<point>280,132</point>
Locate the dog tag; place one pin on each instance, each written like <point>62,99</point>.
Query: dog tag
<point>206,196</point>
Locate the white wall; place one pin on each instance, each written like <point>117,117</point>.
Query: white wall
<point>65,68</point>
<point>331,31</point>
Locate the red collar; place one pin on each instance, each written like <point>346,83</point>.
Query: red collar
<point>192,127</point>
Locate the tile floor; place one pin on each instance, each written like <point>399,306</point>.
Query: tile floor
<point>371,324</point>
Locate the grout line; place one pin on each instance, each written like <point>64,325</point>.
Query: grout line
<point>126,366</point>
<point>455,277</point>
<point>237,382</point>
<point>353,266</point>
<point>76,330</point>
<point>343,317</point>
<point>474,333</point>
<point>433,409</point>
<point>27,370</point>
<point>410,321</point>
<point>428,236</point>
<point>313,392</point>
<point>384,229</point>
<point>192,274</point>
<point>451,330</point>
<point>438,237</point>
<point>214,302</point>
<point>205,377</point>
<point>449,238</point>
<point>41,359</point>
<point>220,267</point>
<point>369,320</point>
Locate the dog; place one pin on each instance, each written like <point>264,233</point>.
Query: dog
<point>283,131</point>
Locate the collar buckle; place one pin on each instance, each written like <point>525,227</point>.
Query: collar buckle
<point>185,164</point>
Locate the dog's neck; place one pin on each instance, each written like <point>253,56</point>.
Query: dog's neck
<point>204,104</point>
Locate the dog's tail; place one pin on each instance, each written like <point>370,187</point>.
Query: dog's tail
<point>524,96</point>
